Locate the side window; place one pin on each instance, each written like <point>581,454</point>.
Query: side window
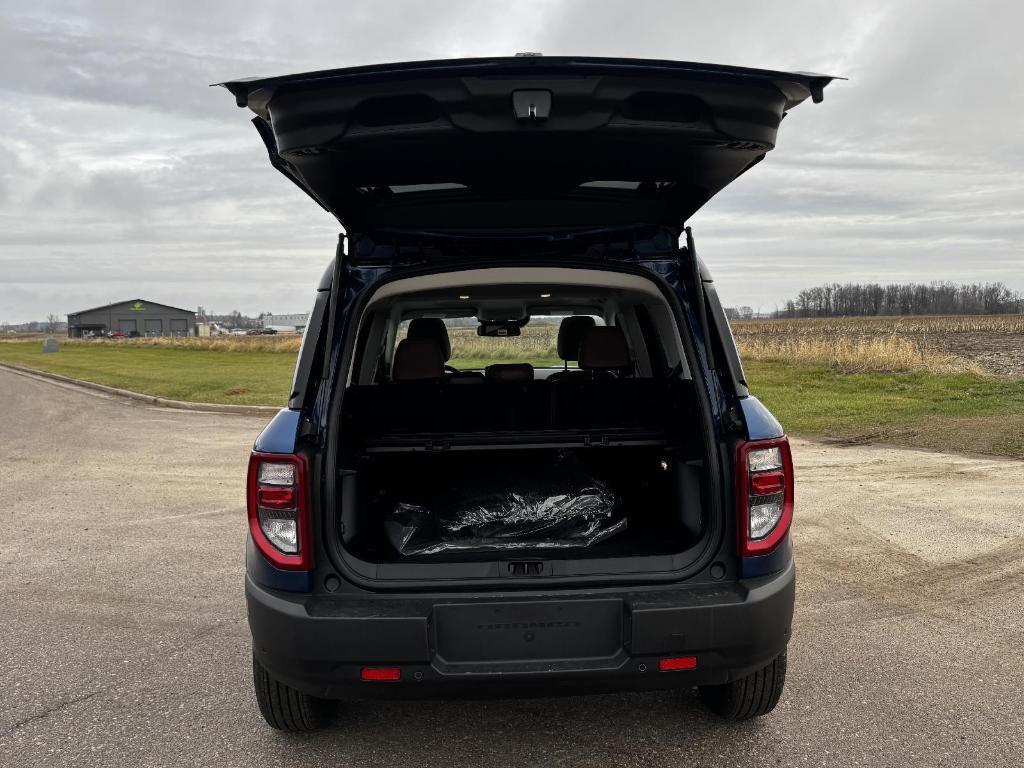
<point>310,364</point>
<point>723,347</point>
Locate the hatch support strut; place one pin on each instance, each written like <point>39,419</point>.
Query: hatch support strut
<point>700,307</point>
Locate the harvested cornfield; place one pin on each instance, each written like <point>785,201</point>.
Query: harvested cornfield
<point>992,344</point>
<point>537,342</point>
<point>280,343</point>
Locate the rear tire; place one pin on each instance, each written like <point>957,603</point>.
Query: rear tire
<point>283,707</point>
<point>749,697</point>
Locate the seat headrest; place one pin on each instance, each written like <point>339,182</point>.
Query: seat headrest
<point>431,328</point>
<point>509,372</point>
<point>604,348</point>
<point>417,359</point>
<point>570,334</point>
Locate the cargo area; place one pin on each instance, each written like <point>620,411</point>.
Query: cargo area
<point>596,464</point>
<point>535,503</point>
<point>582,470</point>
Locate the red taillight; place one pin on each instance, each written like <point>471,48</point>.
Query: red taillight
<point>764,495</point>
<point>676,663</point>
<point>279,509</point>
<point>381,674</point>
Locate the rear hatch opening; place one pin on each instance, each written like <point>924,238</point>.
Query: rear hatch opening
<point>525,160</point>
<point>567,441</point>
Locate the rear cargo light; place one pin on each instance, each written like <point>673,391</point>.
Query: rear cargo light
<point>676,663</point>
<point>764,495</point>
<point>381,674</point>
<point>279,510</point>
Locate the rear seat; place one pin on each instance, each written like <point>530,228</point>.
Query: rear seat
<point>417,360</point>
<point>440,406</point>
<point>433,329</point>
<point>604,351</point>
<point>423,399</point>
<point>570,334</point>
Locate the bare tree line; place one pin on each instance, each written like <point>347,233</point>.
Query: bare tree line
<point>872,299</point>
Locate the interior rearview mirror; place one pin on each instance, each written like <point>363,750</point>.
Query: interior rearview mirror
<point>498,328</point>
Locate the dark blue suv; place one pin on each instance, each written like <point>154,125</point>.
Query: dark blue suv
<point>436,512</point>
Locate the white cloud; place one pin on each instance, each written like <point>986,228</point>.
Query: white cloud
<point>123,174</point>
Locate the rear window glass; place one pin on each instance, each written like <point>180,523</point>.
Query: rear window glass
<point>537,343</point>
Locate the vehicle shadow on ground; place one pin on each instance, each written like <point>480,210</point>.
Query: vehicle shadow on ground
<point>611,729</point>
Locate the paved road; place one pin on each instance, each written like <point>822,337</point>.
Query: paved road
<point>123,639</point>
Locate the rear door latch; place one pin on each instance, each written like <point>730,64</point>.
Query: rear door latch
<point>531,105</point>
<point>524,568</point>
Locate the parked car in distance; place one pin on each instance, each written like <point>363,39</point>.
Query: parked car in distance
<point>619,520</point>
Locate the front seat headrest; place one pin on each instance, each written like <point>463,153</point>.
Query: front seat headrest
<point>509,372</point>
<point>431,328</point>
<point>416,360</point>
<point>604,348</point>
<point>570,334</point>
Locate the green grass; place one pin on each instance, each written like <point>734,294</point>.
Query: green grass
<point>959,412</point>
<point>199,375</point>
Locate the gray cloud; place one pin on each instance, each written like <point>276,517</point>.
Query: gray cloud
<point>123,174</point>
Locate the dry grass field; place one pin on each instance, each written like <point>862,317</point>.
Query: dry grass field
<point>536,345</point>
<point>981,345</point>
<point>989,344</point>
<point>947,383</point>
<point>280,343</point>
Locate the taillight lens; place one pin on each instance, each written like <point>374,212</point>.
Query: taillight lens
<point>278,509</point>
<point>764,495</point>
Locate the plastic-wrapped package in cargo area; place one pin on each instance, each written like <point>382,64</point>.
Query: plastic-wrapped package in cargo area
<point>563,507</point>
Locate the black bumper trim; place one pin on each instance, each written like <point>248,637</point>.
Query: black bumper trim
<point>319,646</point>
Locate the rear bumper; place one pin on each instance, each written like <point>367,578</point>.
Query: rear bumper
<point>320,645</point>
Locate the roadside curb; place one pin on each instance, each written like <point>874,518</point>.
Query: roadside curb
<point>238,410</point>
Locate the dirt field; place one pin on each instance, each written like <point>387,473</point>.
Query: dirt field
<point>994,343</point>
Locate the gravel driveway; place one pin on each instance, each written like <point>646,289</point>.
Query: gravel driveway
<point>123,638</point>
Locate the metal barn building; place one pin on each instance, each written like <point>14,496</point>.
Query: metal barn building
<point>136,317</point>
<point>294,323</point>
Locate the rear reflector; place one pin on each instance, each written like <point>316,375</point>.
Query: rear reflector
<point>767,483</point>
<point>675,663</point>
<point>275,497</point>
<point>381,674</point>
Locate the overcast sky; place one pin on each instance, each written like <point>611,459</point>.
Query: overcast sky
<point>123,175</point>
